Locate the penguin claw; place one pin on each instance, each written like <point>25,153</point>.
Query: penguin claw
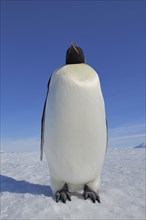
<point>63,194</point>
<point>88,193</point>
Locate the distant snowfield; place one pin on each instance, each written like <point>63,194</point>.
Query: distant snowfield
<point>26,194</point>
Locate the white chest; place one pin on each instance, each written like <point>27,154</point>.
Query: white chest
<point>75,129</point>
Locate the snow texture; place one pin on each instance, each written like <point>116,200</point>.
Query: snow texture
<point>26,194</point>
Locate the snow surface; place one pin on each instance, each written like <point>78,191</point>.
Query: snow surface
<point>26,194</point>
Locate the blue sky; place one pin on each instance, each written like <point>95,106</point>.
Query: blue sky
<point>34,39</point>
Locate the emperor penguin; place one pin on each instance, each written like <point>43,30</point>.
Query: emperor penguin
<point>74,129</point>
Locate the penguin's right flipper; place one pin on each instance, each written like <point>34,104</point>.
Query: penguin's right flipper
<point>43,122</point>
<point>63,194</point>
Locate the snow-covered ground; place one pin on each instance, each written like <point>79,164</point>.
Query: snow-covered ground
<point>26,194</point>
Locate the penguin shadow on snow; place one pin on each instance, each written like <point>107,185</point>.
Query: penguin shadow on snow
<point>11,185</point>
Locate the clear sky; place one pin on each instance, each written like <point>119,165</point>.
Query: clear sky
<point>34,39</point>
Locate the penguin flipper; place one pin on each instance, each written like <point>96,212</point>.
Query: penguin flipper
<point>43,123</point>
<point>107,134</point>
<point>42,131</point>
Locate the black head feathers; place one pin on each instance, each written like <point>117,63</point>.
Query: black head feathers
<point>74,55</point>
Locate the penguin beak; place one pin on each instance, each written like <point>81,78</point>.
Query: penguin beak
<point>73,46</point>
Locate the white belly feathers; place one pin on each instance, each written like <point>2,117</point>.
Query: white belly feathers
<point>75,125</point>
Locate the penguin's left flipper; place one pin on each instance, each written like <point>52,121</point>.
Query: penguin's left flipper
<point>63,194</point>
<point>89,193</point>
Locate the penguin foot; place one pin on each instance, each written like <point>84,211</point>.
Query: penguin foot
<point>88,193</point>
<point>63,194</point>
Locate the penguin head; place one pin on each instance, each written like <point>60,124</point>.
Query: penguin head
<point>74,55</point>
